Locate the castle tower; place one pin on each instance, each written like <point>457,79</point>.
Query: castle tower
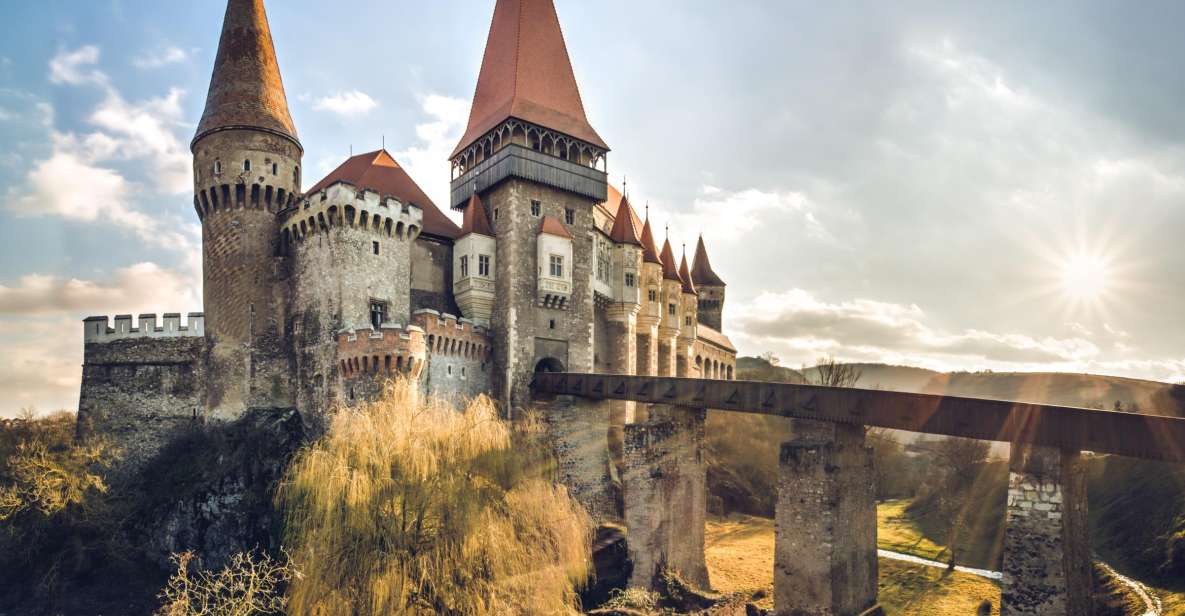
<point>672,312</point>
<point>537,164</point>
<point>687,331</point>
<point>246,169</point>
<point>710,287</point>
<point>650,314</point>
<point>474,268</point>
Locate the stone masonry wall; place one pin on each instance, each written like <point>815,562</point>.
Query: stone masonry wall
<point>459,356</point>
<point>825,523</point>
<point>139,391</point>
<point>576,428</point>
<point>1046,537</point>
<point>665,495</point>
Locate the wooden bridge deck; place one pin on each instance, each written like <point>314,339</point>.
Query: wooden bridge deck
<point>1128,434</point>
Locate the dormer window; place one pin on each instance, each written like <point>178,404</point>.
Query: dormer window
<point>247,165</point>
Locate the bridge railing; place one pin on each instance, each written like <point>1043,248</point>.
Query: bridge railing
<point>1128,434</point>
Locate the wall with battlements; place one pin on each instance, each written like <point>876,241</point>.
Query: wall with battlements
<point>141,383</point>
<point>459,355</point>
<point>368,357</point>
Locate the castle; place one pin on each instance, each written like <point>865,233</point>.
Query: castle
<point>312,297</point>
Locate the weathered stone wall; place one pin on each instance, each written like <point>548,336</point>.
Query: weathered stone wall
<point>245,295</point>
<point>140,391</point>
<point>665,495</point>
<point>825,538</point>
<point>459,358</point>
<point>432,275</point>
<point>1046,536</point>
<point>576,429</point>
<point>526,331</point>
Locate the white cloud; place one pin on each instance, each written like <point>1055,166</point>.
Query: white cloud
<point>142,287</point>
<point>438,136</point>
<point>160,57</point>
<point>65,185</point>
<point>76,67</point>
<point>350,103</point>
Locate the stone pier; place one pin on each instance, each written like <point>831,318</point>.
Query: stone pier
<point>577,428</point>
<point>1046,537</point>
<point>665,494</point>
<point>621,331</point>
<point>825,537</point>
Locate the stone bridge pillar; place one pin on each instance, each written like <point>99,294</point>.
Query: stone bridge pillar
<point>577,429</point>
<point>1046,538</point>
<point>665,495</point>
<point>825,537</point>
<point>621,331</point>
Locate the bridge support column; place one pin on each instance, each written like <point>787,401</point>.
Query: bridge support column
<point>665,494</point>
<point>576,428</point>
<point>1046,538</point>
<point>621,332</point>
<point>825,537</point>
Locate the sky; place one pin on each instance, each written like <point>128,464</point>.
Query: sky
<point>957,186</point>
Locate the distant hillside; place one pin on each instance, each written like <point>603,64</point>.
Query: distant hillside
<point>1087,390</point>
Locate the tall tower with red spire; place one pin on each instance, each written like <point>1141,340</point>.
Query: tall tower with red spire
<point>538,166</point>
<point>710,287</point>
<point>246,169</point>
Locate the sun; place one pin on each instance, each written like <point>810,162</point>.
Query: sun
<point>1084,277</point>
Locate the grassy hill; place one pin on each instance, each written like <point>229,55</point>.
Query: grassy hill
<point>1088,390</point>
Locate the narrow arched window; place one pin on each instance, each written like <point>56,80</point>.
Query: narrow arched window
<point>247,165</point>
<point>217,167</point>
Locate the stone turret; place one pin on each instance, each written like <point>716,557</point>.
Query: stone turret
<point>246,169</point>
<point>672,312</point>
<point>689,298</point>
<point>710,287</point>
<point>650,314</point>
<point>474,268</point>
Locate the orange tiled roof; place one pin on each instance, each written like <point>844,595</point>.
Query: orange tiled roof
<point>613,203</point>
<point>624,231</point>
<point>649,251</point>
<point>379,172</point>
<point>552,226</point>
<point>707,334</point>
<point>669,270</point>
<point>475,218</point>
<point>685,276</point>
<point>701,268</point>
<point>245,87</point>
<point>526,74</point>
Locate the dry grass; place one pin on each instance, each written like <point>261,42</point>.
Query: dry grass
<point>739,551</point>
<point>408,506</point>
<point>250,585</point>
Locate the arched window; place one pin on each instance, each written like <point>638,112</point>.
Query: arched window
<point>217,167</point>
<point>247,165</point>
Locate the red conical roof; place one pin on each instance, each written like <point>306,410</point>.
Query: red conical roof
<point>649,251</point>
<point>701,268</point>
<point>526,74</point>
<point>379,172</point>
<point>623,231</point>
<point>475,219</point>
<point>669,270</point>
<point>688,285</point>
<point>245,88</point>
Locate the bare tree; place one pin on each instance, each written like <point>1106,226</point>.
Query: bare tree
<point>830,372</point>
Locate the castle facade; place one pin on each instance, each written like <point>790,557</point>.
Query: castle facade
<point>313,297</point>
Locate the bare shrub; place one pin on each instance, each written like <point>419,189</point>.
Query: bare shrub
<point>249,585</point>
<point>407,506</point>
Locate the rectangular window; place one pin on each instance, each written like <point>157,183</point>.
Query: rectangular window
<point>557,266</point>
<point>483,266</point>
<point>536,207</point>
<point>495,213</point>
<point>378,313</point>
<point>376,247</point>
<point>569,216</point>
<point>687,321</point>
<point>464,266</point>
<point>629,279</point>
<point>653,295</point>
<point>671,309</point>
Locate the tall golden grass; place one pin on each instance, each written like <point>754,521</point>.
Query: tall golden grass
<point>409,506</point>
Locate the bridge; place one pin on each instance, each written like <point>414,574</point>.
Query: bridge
<point>825,544</point>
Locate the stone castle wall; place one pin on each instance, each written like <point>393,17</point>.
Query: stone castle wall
<point>459,358</point>
<point>141,384</point>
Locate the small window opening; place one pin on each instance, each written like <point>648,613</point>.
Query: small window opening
<point>376,247</point>
<point>275,169</point>
<point>483,266</point>
<point>247,165</point>
<point>464,266</point>
<point>557,266</point>
<point>536,207</point>
<point>569,216</point>
<point>378,314</point>
<point>551,323</point>
<point>495,213</point>
<point>217,167</point>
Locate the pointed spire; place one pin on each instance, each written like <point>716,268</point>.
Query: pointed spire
<point>688,285</point>
<point>649,250</point>
<point>701,268</point>
<point>623,231</point>
<point>669,270</point>
<point>526,74</point>
<point>245,89</point>
<point>475,218</point>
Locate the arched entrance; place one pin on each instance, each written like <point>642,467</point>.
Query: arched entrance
<point>549,364</point>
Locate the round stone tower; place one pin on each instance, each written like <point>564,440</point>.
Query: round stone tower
<point>246,169</point>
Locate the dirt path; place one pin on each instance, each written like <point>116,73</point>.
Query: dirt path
<point>1152,604</point>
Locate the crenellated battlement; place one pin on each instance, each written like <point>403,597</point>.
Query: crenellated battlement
<point>391,348</point>
<point>342,204</point>
<point>97,330</point>
<point>452,335</point>
<point>240,195</point>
